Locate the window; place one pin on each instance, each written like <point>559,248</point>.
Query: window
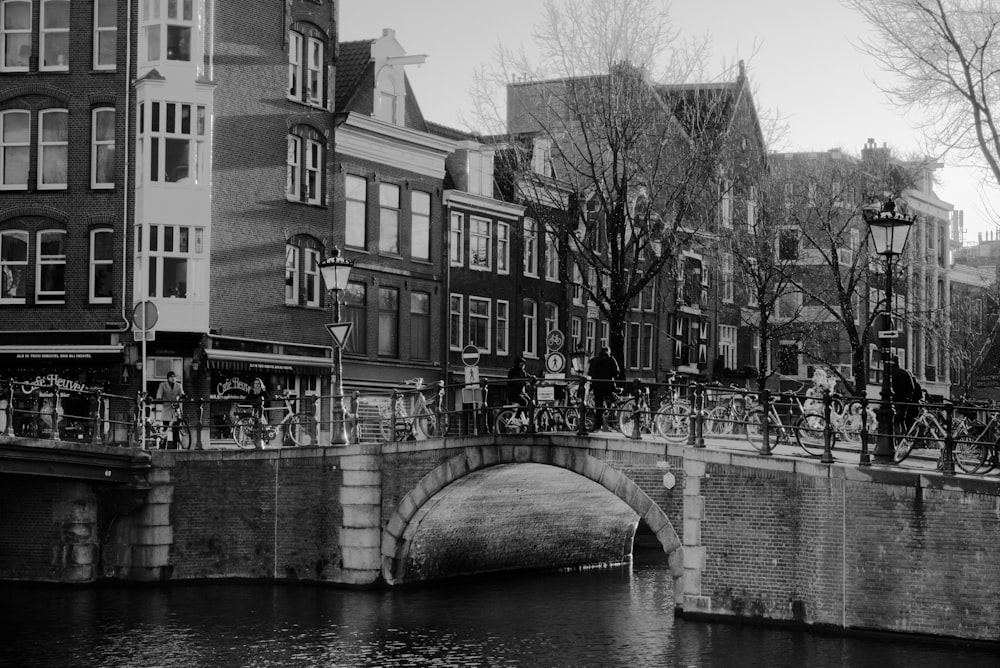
<point>605,334</point>
<point>420,225</point>
<point>388,200</point>
<point>503,327</point>
<point>479,244</point>
<point>541,156</point>
<point>588,342</point>
<point>457,250</point>
<point>105,34</point>
<point>551,316</point>
<point>551,258</point>
<point>50,275</point>
<point>751,278</point>
<point>15,149</point>
<point>479,323</point>
<point>175,133</point>
<point>13,266</point>
<point>54,35</point>
<point>166,30</point>
<point>647,346</point>
<point>294,65</point>
<point>176,254</point>
<point>356,207</point>
<point>308,87</point>
<point>726,210</point>
<point>576,285</point>
<point>634,331</point>
<point>15,21</point>
<point>752,209</point>
<point>356,311</point>
<point>503,248</point>
<point>315,65</point>
<point>575,332</point>
<point>727,345</point>
<point>420,325</point>
<point>455,340</point>
<point>388,322</point>
<point>53,148</point>
<point>727,278</point>
<point>788,359</point>
<point>102,150</point>
<point>101,265</point>
<point>530,315</point>
<point>530,247</point>
<point>788,243</point>
<point>302,276</point>
<point>304,166</point>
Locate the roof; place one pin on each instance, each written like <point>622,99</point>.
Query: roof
<point>352,61</point>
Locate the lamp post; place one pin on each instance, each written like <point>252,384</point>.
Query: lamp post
<point>336,270</point>
<point>578,362</point>
<point>889,229</point>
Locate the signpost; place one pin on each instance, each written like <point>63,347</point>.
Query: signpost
<point>554,340</point>
<point>470,355</point>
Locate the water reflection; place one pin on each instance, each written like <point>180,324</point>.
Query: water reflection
<point>613,617</point>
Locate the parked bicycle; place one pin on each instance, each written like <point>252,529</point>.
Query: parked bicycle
<point>928,431</point>
<point>147,432</point>
<point>425,418</point>
<point>251,428</point>
<point>807,429</point>
<point>728,416</point>
<point>979,451</point>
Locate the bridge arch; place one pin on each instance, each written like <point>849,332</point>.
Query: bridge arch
<point>398,531</point>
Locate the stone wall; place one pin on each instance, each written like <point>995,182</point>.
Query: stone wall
<point>774,539</point>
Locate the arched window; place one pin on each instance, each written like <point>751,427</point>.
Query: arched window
<point>305,166</point>
<point>302,276</point>
<point>50,272</point>
<point>307,66</point>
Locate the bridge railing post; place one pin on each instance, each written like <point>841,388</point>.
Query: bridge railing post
<point>948,456</point>
<point>198,443</point>
<point>866,459</point>
<point>827,457</point>
<point>393,402</point>
<point>699,410</point>
<point>581,404</point>
<point>532,406</point>
<point>765,422</point>
<point>637,390</point>
<point>483,419</point>
<point>56,411</point>
<point>96,424</point>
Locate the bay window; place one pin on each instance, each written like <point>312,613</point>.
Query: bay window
<point>166,27</point>
<point>172,141</point>
<point>175,257</point>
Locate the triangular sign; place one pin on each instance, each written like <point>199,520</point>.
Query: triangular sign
<point>340,331</point>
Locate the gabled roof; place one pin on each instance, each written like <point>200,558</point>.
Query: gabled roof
<point>352,61</point>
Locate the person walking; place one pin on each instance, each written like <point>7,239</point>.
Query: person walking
<point>906,396</point>
<point>170,392</point>
<point>603,371</point>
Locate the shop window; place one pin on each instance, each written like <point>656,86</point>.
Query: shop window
<point>53,149</point>
<point>101,266</point>
<point>356,208</point>
<point>50,276</point>
<point>105,34</point>
<point>54,35</point>
<point>356,307</point>
<point>15,40</point>
<point>13,266</point>
<point>102,150</point>
<point>15,149</point>
<point>420,325</point>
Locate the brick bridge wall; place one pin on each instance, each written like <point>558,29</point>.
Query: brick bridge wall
<point>844,546</point>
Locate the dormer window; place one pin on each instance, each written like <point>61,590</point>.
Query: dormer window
<point>541,157</point>
<point>387,104</point>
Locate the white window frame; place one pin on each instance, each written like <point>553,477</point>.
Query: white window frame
<point>456,251</point>
<point>315,50</point>
<point>295,80</point>
<point>57,146</point>
<point>156,259</point>
<point>728,288</point>
<point>590,336</point>
<point>351,202</point>
<point>576,331</point>
<point>503,327</point>
<point>456,316</point>
<point>96,146</point>
<point>551,312</point>
<point>647,349</point>
<point>530,320</point>
<point>727,203</point>
<point>551,258</point>
<point>6,34</point>
<point>311,276</point>
<point>105,26</point>
<point>99,263</point>
<point>154,18</point>
<point>389,216</point>
<point>484,320</point>
<point>293,168</point>
<point>420,220</point>
<point>45,33</point>
<point>503,248</point>
<point>605,334</point>
<point>292,260</point>
<point>195,137</point>
<point>43,261</point>
<point>530,248</point>
<point>7,266</point>
<point>314,172</point>
<point>480,243</point>
<point>576,285</point>
<point>6,146</point>
<point>727,345</point>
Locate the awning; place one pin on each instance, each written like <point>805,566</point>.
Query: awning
<point>61,354</point>
<point>238,360</point>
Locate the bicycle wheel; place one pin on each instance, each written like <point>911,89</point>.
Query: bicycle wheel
<point>906,443</point>
<point>297,431</point>
<point>969,455</point>
<point>626,417</point>
<point>243,432</point>
<point>809,433</point>
<point>509,421</point>
<point>183,436</point>
<point>673,422</point>
<point>425,423</point>
<point>573,419</point>
<point>719,421</point>
<point>755,430</point>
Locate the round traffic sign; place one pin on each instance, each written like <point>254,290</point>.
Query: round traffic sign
<point>555,362</point>
<point>145,315</point>
<point>470,355</point>
<point>554,340</point>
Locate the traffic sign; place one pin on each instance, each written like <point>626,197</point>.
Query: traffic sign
<point>888,334</point>
<point>554,340</point>
<point>470,355</point>
<point>340,331</point>
<point>145,315</point>
<point>555,362</point>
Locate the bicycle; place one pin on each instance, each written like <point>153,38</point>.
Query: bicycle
<point>424,420</point>
<point>145,431</point>
<point>807,428</point>
<point>980,452</point>
<point>724,417</point>
<point>926,430</point>
<point>250,426</point>
<point>514,418</point>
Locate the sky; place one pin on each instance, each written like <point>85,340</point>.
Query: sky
<point>800,55</point>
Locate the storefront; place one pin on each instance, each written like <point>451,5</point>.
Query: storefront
<point>52,387</point>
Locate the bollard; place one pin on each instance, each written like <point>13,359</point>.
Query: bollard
<point>827,457</point>
<point>948,456</point>
<point>765,423</point>
<point>260,428</point>
<point>198,443</point>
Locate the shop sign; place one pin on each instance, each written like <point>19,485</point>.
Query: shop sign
<point>232,387</point>
<point>46,383</point>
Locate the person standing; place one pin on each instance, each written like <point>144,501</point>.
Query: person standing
<point>169,392</point>
<point>603,372</point>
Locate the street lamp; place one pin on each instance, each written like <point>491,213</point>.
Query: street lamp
<point>578,362</point>
<point>889,229</point>
<point>336,270</point>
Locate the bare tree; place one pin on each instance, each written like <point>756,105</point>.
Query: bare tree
<point>944,57</point>
<point>604,123</point>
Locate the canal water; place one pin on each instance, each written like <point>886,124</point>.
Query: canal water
<point>608,617</point>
